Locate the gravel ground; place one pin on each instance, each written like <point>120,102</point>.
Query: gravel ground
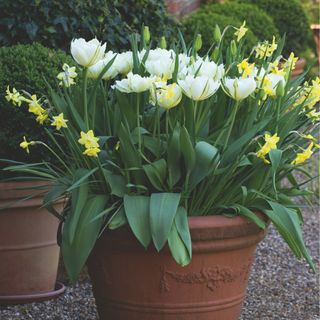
<point>280,288</point>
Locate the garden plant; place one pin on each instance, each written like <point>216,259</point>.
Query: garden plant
<point>153,136</point>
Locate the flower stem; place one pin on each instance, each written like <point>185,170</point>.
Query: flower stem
<point>138,122</point>
<point>85,98</point>
<point>233,118</point>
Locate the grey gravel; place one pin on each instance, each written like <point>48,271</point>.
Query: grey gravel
<point>280,287</point>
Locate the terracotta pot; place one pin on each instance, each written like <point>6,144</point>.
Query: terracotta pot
<point>316,35</point>
<point>130,283</point>
<point>299,69</point>
<point>29,253</point>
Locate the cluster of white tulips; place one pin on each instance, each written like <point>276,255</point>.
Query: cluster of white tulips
<point>197,77</point>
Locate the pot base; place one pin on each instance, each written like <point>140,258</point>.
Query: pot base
<point>37,297</point>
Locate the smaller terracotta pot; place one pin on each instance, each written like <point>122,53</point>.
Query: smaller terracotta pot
<point>29,253</point>
<point>130,283</point>
<point>316,35</point>
<point>299,69</point>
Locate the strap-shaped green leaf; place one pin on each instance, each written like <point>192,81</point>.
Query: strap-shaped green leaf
<point>157,173</point>
<point>163,208</point>
<point>174,155</point>
<point>76,252</point>
<point>118,219</point>
<point>178,248</point>
<point>182,225</point>
<point>207,157</point>
<point>275,157</point>
<point>287,222</point>
<point>137,209</point>
<point>187,150</point>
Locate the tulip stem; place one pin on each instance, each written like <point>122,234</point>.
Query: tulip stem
<point>233,118</point>
<point>138,122</point>
<point>85,98</point>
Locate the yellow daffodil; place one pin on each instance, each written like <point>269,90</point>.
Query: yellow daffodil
<point>303,156</point>
<point>270,143</point>
<point>274,68</point>
<point>25,144</point>
<point>245,68</point>
<point>312,138</point>
<point>59,122</point>
<point>291,62</point>
<point>34,106</point>
<point>265,50</point>
<point>240,33</point>
<point>14,97</point>
<point>67,76</point>
<point>42,117</point>
<point>313,115</point>
<point>88,140</point>
<point>91,152</point>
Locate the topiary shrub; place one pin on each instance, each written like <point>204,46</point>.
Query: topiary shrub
<point>205,22</point>
<point>54,22</point>
<point>25,67</point>
<point>290,18</point>
<point>257,20</point>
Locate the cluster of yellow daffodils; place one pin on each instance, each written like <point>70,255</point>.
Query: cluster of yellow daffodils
<point>270,143</point>
<point>240,33</point>
<point>265,50</point>
<point>67,76</point>
<point>274,68</point>
<point>25,144</point>
<point>36,108</point>
<point>245,68</point>
<point>14,97</point>
<point>291,62</point>
<point>59,122</point>
<point>90,142</point>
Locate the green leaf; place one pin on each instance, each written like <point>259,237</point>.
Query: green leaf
<point>163,208</point>
<point>82,179</point>
<point>275,157</point>
<point>76,252</point>
<point>157,173</point>
<point>137,209</point>
<point>174,155</point>
<point>118,219</point>
<point>187,150</point>
<point>182,225</point>
<point>178,248</point>
<point>79,197</point>
<point>251,216</point>
<point>117,183</point>
<point>287,222</point>
<point>207,157</point>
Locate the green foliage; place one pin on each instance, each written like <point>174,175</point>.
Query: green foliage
<point>204,23</point>
<point>312,9</point>
<point>290,19</point>
<point>25,67</point>
<point>55,23</point>
<point>260,23</point>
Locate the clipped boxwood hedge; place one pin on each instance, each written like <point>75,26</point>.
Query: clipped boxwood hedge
<point>54,23</point>
<point>257,20</point>
<point>204,23</point>
<point>290,18</point>
<point>25,67</point>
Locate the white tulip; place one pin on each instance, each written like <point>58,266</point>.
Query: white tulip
<point>124,62</point>
<point>271,82</point>
<point>162,68</point>
<point>167,96</point>
<point>206,68</point>
<point>198,88</point>
<point>239,88</point>
<point>134,83</point>
<point>95,70</point>
<point>87,53</point>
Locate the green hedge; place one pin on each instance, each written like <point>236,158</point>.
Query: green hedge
<point>205,22</point>
<point>54,22</point>
<point>24,67</point>
<point>257,20</point>
<point>290,18</point>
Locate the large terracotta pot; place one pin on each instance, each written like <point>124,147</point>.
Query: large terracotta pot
<point>29,253</point>
<point>130,283</point>
<point>299,69</point>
